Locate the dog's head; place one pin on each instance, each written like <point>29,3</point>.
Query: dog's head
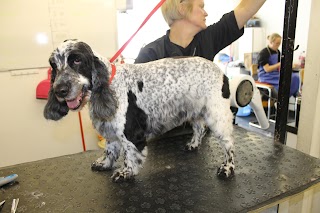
<point>76,74</point>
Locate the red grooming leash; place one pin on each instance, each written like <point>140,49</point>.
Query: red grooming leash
<point>116,56</point>
<point>82,134</point>
<point>143,23</point>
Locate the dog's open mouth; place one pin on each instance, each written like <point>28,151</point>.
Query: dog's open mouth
<point>77,102</point>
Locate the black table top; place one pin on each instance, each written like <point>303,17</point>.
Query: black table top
<point>172,180</point>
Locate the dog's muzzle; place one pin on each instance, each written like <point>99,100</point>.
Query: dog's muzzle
<point>62,90</point>
<point>74,103</point>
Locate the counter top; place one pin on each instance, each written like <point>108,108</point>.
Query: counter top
<point>172,180</point>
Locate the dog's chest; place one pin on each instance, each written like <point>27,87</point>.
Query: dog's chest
<point>106,129</point>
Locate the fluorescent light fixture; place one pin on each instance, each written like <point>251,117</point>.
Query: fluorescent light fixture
<point>42,38</point>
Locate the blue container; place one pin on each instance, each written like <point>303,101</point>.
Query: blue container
<point>244,111</point>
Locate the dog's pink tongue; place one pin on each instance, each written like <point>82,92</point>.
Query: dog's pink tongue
<point>75,103</point>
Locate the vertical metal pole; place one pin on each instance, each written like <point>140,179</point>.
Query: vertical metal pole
<point>289,28</point>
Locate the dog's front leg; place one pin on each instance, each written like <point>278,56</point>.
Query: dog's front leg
<point>109,157</point>
<point>133,161</point>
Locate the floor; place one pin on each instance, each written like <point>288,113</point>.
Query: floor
<point>243,121</point>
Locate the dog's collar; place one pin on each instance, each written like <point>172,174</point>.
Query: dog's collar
<point>113,67</point>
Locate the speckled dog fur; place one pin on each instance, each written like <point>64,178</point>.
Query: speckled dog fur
<point>143,101</point>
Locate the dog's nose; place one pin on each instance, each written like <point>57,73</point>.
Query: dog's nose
<point>62,90</point>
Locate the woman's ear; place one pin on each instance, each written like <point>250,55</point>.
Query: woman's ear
<point>54,110</point>
<point>182,8</point>
<point>103,102</point>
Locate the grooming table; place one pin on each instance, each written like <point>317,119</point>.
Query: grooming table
<point>171,181</point>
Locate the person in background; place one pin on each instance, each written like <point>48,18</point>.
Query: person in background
<point>269,66</point>
<point>190,36</point>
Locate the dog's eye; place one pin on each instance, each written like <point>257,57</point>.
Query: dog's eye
<point>77,61</point>
<point>74,60</point>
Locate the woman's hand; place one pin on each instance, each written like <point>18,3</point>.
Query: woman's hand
<point>270,68</point>
<point>295,66</point>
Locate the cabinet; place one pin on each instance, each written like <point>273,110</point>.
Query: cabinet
<point>253,40</point>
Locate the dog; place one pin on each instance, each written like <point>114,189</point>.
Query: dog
<point>142,101</point>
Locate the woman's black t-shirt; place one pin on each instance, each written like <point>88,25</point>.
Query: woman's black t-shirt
<point>207,43</point>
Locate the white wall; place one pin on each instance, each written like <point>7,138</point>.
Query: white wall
<point>130,21</point>
<point>24,133</point>
<point>309,134</point>
<point>271,15</point>
<point>21,22</point>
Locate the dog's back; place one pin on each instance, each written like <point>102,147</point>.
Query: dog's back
<point>171,91</point>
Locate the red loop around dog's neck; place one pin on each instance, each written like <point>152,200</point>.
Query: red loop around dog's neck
<point>113,72</point>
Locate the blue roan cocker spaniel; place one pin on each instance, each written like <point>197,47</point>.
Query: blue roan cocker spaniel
<point>143,101</point>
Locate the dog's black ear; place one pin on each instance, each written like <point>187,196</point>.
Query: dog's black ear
<point>54,110</point>
<point>103,102</point>
<point>72,39</point>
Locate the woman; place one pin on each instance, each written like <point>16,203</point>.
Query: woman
<point>189,35</point>
<point>269,66</point>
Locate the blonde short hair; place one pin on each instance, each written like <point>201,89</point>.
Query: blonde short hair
<point>170,10</point>
<point>273,37</point>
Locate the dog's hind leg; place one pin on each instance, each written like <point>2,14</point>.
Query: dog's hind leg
<point>220,122</point>
<point>199,130</point>
<point>109,157</point>
<point>226,170</point>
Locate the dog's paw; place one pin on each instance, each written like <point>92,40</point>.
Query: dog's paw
<point>102,164</point>
<point>190,148</point>
<point>225,171</point>
<point>122,175</point>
